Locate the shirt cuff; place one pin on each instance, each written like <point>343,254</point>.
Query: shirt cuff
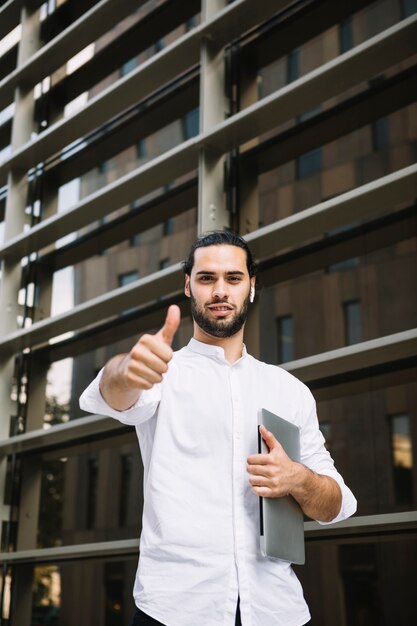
<point>349,503</point>
<point>92,401</point>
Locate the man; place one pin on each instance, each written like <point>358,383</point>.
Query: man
<point>195,413</point>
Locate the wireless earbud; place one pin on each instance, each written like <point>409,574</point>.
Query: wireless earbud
<point>252,295</point>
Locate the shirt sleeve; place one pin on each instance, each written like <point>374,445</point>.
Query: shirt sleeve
<point>92,401</point>
<point>315,456</point>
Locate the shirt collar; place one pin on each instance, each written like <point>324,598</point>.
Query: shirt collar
<point>214,351</point>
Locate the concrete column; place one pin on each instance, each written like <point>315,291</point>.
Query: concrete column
<point>212,213</point>
<point>15,220</point>
<point>248,209</point>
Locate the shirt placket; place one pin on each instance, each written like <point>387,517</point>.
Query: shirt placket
<point>238,478</point>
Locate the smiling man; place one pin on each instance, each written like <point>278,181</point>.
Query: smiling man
<point>195,413</point>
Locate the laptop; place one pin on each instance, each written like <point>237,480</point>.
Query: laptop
<point>281,519</point>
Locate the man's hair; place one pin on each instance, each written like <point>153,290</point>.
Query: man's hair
<point>220,238</point>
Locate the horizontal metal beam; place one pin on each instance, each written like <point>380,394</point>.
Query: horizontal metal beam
<point>260,117</point>
<point>103,550</point>
<point>355,241</point>
<point>10,14</point>
<point>141,35</point>
<point>377,100</point>
<point>62,434</point>
<point>294,230</point>
<point>151,75</point>
<point>384,525</point>
<point>144,179</point>
<point>53,55</point>
<point>142,291</point>
<point>330,79</point>
<point>355,205</point>
<point>368,354</point>
<point>290,31</point>
<point>130,324</point>
<point>170,204</point>
<point>146,118</point>
<point>374,235</point>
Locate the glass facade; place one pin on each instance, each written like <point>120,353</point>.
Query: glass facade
<point>126,129</point>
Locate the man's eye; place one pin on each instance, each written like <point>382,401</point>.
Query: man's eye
<point>234,279</point>
<point>205,279</point>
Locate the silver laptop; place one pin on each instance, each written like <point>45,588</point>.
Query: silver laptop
<point>282,520</point>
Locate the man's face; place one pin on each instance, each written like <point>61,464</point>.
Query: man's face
<point>219,288</point>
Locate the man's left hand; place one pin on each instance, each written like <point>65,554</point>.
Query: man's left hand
<point>274,474</point>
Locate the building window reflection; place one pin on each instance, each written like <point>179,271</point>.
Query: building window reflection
<point>380,134</point>
<point>293,62</point>
<point>353,322</point>
<point>92,492</point>
<point>127,278</point>
<point>125,487</point>
<point>285,330</point>
<point>402,458</point>
<point>309,163</point>
<point>326,431</point>
<point>346,35</point>
<point>191,124</point>
<point>409,7</point>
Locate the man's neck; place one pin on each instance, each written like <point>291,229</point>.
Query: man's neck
<point>232,346</point>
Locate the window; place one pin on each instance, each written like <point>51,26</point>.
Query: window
<point>163,263</point>
<point>127,278</point>
<point>125,487</point>
<point>346,35</point>
<point>168,227</point>
<point>293,60</point>
<point>160,45</point>
<point>380,133</point>
<point>402,458</point>
<point>141,150</point>
<point>128,66</point>
<point>191,124</point>
<point>326,431</point>
<point>309,163</point>
<point>409,7</point>
<point>285,329</point>
<point>353,322</point>
<point>92,491</point>
<point>347,264</point>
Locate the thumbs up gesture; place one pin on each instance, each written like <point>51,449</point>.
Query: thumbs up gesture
<point>148,360</point>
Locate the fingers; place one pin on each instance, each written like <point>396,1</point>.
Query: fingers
<point>172,321</point>
<point>148,360</point>
<point>258,459</point>
<point>264,492</point>
<point>268,437</point>
<point>259,470</point>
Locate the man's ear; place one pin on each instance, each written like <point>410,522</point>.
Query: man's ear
<point>187,286</point>
<point>252,289</point>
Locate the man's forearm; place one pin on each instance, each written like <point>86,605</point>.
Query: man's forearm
<point>113,387</point>
<point>319,496</point>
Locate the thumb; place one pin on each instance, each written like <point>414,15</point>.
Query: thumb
<point>269,438</point>
<point>172,321</point>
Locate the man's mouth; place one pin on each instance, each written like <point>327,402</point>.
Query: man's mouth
<point>220,307</point>
<point>220,310</point>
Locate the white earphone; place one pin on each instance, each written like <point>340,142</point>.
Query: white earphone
<point>252,295</point>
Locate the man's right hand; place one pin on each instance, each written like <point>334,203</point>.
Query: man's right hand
<point>126,375</point>
<point>149,357</point>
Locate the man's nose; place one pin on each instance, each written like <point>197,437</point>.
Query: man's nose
<point>219,291</point>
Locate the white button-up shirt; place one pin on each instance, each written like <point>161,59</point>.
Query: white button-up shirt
<point>200,547</point>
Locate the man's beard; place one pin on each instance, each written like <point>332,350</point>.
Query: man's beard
<point>218,327</point>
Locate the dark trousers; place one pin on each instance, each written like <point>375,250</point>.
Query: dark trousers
<point>141,619</point>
